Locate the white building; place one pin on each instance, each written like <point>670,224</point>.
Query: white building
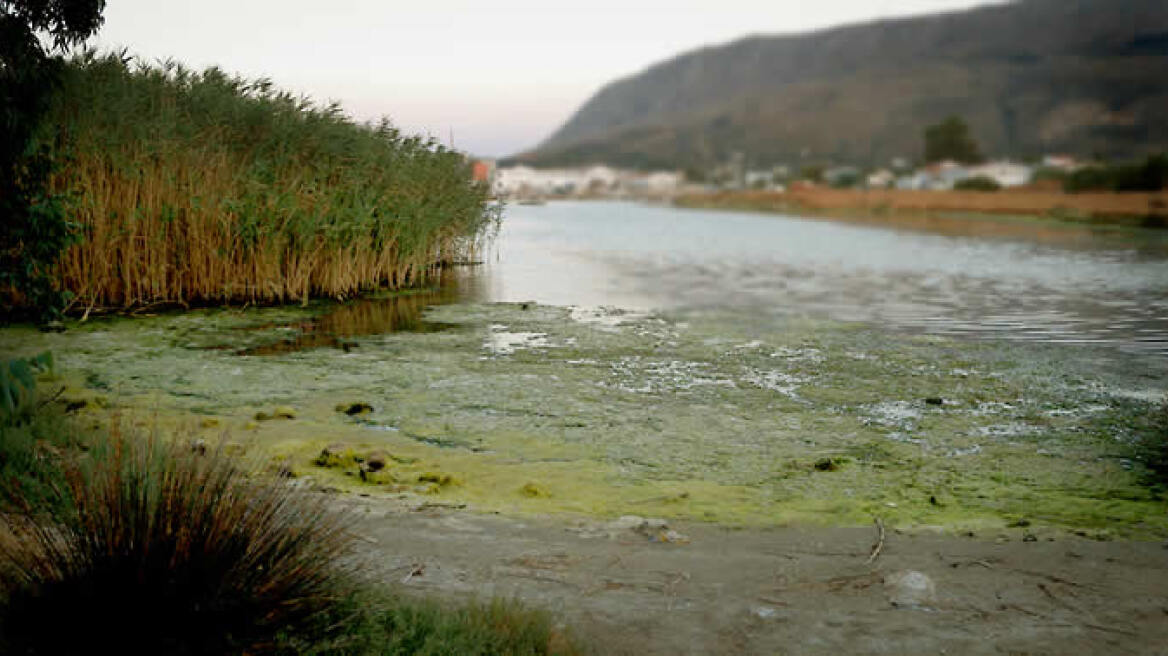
<point>1005,173</point>
<point>882,179</point>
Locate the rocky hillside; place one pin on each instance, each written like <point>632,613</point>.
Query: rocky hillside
<point>1031,76</point>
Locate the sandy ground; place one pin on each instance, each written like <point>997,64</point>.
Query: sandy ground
<point>783,591</point>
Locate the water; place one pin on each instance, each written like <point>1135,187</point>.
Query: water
<point>1024,281</point>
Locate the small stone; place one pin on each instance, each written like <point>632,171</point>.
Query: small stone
<point>826,464</point>
<point>354,408</point>
<point>765,612</point>
<point>533,491</point>
<point>439,478</point>
<point>1021,523</point>
<point>935,400</point>
<point>284,412</point>
<point>1029,537</point>
<point>262,416</point>
<point>909,589</point>
<point>377,460</point>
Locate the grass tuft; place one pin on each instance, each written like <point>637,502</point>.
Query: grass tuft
<point>164,550</point>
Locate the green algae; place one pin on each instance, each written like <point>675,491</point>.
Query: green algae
<point>715,417</point>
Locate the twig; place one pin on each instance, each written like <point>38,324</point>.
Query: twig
<point>416,570</point>
<point>47,401</point>
<point>876,548</point>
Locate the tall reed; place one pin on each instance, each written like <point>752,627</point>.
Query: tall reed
<point>200,187</point>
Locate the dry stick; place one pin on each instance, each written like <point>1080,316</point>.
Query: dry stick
<point>876,548</point>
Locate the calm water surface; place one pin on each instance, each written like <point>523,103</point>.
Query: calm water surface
<point>1026,282</point>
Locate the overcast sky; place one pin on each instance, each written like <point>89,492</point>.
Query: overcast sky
<point>498,76</point>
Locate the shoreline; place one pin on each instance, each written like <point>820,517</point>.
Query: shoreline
<point>1094,211</point>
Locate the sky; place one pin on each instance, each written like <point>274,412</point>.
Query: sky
<point>492,78</point>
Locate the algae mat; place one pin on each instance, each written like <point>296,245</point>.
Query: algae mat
<point>722,417</point>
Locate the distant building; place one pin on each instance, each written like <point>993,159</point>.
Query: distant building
<point>1005,173</point>
<point>939,176</point>
<point>881,179</point>
<point>483,170</point>
<point>525,181</point>
<point>760,179</point>
<point>1061,162</point>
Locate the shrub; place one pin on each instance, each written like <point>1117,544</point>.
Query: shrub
<point>978,183</point>
<point>164,550</point>
<point>1152,448</point>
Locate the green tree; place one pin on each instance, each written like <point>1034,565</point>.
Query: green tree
<point>34,229</point>
<point>950,139</point>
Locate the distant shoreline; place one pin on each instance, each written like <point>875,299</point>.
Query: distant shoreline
<point>1139,210</point>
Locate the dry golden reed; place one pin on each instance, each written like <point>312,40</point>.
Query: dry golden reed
<point>198,187</point>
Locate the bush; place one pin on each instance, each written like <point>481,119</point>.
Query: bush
<point>1151,175</point>
<point>164,550</point>
<point>979,183</point>
<point>1152,448</point>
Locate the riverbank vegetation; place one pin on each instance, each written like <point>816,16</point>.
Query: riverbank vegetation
<point>202,551</point>
<point>199,187</point>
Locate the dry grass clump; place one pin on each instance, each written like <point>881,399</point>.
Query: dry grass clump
<point>168,551</point>
<point>198,187</point>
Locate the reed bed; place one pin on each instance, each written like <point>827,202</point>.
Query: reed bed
<point>199,188</point>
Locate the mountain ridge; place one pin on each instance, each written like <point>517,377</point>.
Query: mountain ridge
<point>1031,76</point>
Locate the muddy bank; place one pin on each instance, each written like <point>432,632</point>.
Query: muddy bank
<point>722,417</point>
<point>779,591</point>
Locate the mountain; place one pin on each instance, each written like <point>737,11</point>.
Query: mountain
<point>1085,77</point>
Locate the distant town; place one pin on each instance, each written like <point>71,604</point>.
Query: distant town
<point>525,183</point>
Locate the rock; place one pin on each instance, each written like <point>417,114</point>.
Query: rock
<point>534,491</point>
<point>440,478</point>
<point>377,460</point>
<point>1029,537</point>
<point>626,523</point>
<point>826,464</point>
<point>765,612</point>
<point>935,400</point>
<point>284,412</point>
<point>262,416</point>
<point>655,529</point>
<point>354,408</point>
<point>909,589</point>
<point>336,454</point>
